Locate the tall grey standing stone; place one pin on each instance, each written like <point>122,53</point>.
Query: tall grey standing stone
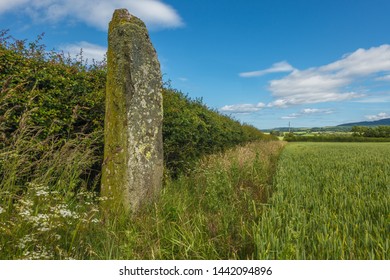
<point>133,152</point>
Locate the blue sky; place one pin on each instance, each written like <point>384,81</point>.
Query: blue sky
<point>265,62</point>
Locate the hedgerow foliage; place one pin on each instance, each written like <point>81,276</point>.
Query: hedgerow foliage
<point>192,130</point>
<point>61,95</point>
<point>63,98</point>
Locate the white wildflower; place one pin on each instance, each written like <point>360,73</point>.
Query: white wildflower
<point>41,190</point>
<point>43,229</point>
<point>42,217</point>
<point>40,220</point>
<point>40,254</point>
<point>65,213</point>
<point>42,193</point>
<point>2,210</point>
<point>25,214</point>
<point>27,239</point>
<point>26,203</point>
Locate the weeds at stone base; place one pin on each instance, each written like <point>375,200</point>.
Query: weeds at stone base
<point>208,214</point>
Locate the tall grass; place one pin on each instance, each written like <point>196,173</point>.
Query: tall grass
<point>49,208</point>
<point>46,202</point>
<point>207,214</point>
<point>331,202</point>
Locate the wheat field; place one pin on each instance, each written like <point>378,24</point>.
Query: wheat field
<point>331,202</point>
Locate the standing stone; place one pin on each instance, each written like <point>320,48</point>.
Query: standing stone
<point>133,154</point>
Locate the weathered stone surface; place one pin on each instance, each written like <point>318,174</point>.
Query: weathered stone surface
<point>133,155</point>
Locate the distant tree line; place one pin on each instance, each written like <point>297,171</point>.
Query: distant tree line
<point>377,131</point>
<point>333,138</point>
<point>291,137</point>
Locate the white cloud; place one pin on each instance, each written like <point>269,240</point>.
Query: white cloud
<point>308,111</point>
<point>310,86</point>
<point>329,83</point>
<point>291,116</point>
<point>362,62</point>
<point>242,108</point>
<point>98,13</point>
<point>377,117</point>
<point>89,51</point>
<point>282,66</point>
<point>383,78</point>
<point>7,5</point>
<point>375,99</point>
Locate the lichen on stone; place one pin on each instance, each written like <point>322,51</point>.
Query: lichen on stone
<point>133,163</point>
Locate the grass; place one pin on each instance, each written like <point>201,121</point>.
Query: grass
<point>207,214</point>
<point>331,202</point>
<point>45,206</point>
<point>47,210</point>
<point>313,201</point>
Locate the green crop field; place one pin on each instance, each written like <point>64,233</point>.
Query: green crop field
<point>331,202</point>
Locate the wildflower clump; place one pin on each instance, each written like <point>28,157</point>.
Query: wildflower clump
<point>46,224</point>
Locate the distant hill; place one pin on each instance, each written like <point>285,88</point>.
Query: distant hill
<point>368,123</point>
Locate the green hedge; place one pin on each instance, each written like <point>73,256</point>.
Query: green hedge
<point>59,94</point>
<point>64,97</point>
<point>191,130</point>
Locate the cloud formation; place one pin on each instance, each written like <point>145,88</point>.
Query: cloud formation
<point>89,51</point>
<point>7,5</point>
<point>242,108</point>
<point>291,116</point>
<point>383,78</point>
<point>333,82</point>
<point>278,67</point>
<point>308,111</point>
<point>382,98</point>
<point>378,117</point>
<point>97,13</point>
<point>329,82</point>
